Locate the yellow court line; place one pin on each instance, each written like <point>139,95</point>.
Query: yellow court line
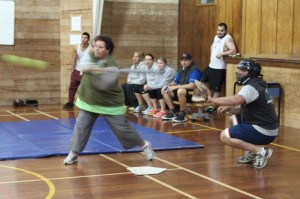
<point>286,147</point>
<point>47,181</point>
<point>153,179</point>
<point>46,114</point>
<point>75,177</point>
<point>23,118</point>
<point>278,145</point>
<point>187,131</point>
<point>205,126</point>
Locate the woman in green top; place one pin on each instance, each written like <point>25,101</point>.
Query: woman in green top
<point>99,93</point>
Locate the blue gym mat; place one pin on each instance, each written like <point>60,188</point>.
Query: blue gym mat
<point>42,138</point>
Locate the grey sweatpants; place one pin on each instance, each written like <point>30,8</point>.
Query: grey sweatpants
<point>119,124</point>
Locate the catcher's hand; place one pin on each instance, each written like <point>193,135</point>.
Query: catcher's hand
<point>201,92</point>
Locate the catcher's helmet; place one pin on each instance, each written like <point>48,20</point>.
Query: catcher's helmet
<point>253,69</point>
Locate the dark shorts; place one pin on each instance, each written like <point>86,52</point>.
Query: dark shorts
<point>188,95</point>
<point>215,77</point>
<point>156,94</point>
<point>248,133</point>
<point>139,88</point>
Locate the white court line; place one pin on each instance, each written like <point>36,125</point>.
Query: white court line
<point>23,118</point>
<point>153,179</point>
<point>46,114</point>
<point>72,177</point>
<point>189,171</point>
<point>209,179</point>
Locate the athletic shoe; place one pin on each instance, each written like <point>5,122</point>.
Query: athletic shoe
<point>169,116</point>
<point>159,114</point>
<point>148,150</point>
<point>137,109</point>
<point>152,112</point>
<point>145,112</point>
<point>68,105</point>
<point>130,108</point>
<point>261,160</point>
<point>180,118</point>
<point>247,157</point>
<point>71,158</point>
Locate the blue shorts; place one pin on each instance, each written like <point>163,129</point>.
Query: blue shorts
<point>248,133</point>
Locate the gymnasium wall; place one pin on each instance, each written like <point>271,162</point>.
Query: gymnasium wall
<point>37,36</point>
<point>43,29</point>
<point>265,30</point>
<point>69,9</point>
<point>140,25</point>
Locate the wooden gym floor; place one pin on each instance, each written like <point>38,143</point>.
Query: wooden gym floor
<point>211,172</point>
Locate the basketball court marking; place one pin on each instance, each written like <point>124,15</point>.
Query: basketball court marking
<point>207,128</point>
<point>189,171</point>
<point>153,179</point>
<point>175,165</point>
<point>188,131</point>
<point>278,145</point>
<point>17,115</point>
<point>46,114</point>
<point>210,179</point>
<point>46,180</point>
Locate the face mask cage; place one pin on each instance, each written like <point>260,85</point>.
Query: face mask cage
<point>242,80</point>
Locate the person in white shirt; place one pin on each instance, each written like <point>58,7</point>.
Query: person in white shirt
<point>78,52</point>
<point>215,73</point>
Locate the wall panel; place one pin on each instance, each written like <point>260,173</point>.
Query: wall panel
<point>37,36</point>
<point>296,30</point>
<point>252,26</point>
<point>269,27</point>
<point>151,27</point>
<point>285,27</point>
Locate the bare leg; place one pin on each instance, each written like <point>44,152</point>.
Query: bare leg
<point>162,105</point>
<point>182,99</point>
<point>239,144</point>
<point>168,99</point>
<point>147,99</point>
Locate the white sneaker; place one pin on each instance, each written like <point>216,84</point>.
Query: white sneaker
<point>145,112</point>
<point>71,158</point>
<point>137,109</point>
<point>261,160</point>
<point>148,150</point>
<point>247,157</point>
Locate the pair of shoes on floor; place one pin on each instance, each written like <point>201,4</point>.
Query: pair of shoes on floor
<point>147,149</point>
<point>160,114</point>
<point>181,117</point>
<point>68,105</point>
<point>259,160</point>
<point>171,115</point>
<point>175,117</point>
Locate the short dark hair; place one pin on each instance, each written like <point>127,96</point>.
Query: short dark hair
<point>109,44</point>
<point>87,34</point>
<point>149,54</point>
<point>223,25</point>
